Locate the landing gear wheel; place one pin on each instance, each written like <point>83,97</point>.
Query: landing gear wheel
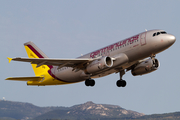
<point>121,83</point>
<point>90,82</point>
<point>87,82</point>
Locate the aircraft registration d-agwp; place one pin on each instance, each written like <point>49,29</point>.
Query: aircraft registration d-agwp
<point>136,53</point>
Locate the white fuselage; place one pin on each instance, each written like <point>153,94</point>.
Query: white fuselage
<point>136,48</point>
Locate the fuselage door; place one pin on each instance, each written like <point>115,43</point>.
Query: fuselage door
<point>143,38</point>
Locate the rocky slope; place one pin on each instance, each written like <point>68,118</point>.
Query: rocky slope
<point>10,110</point>
<point>91,110</point>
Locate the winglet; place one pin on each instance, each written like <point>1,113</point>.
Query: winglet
<point>9,59</point>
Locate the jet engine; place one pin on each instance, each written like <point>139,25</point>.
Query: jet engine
<point>145,67</point>
<point>99,64</point>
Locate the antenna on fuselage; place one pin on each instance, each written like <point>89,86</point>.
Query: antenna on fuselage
<point>145,29</point>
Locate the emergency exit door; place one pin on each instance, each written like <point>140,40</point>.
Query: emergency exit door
<point>143,39</point>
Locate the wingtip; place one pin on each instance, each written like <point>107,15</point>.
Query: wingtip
<point>9,59</point>
<point>8,78</point>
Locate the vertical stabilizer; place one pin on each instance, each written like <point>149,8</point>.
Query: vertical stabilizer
<point>34,52</point>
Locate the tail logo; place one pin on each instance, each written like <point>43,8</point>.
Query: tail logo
<point>32,55</point>
<point>43,67</point>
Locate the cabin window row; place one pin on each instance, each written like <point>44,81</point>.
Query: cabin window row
<point>63,68</point>
<point>116,48</point>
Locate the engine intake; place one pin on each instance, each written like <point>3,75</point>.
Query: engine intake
<point>145,67</point>
<point>99,64</point>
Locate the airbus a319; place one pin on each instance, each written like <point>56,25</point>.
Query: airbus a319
<point>135,54</point>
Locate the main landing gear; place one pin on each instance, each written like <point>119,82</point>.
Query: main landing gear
<point>90,82</point>
<point>121,82</point>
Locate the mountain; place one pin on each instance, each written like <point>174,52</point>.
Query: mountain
<point>165,116</point>
<point>20,110</point>
<point>90,110</point>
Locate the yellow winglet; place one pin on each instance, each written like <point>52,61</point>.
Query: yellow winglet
<point>9,59</point>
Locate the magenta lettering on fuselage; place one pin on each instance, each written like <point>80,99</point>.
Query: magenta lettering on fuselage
<point>118,44</point>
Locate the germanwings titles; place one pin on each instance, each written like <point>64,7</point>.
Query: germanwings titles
<point>135,54</point>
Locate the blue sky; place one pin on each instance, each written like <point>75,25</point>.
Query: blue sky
<point>67,29</point>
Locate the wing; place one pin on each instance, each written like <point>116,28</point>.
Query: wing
<point>75,63</point>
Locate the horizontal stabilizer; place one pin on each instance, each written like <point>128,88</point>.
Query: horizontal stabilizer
<point>37,78</point>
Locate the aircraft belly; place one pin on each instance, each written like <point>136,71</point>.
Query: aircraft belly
<point>114,69</point>
<point>105,73</point>
<point>69,76</point>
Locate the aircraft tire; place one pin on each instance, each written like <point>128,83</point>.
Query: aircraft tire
<point>118,83</point>
<point>87,82</point>
<point>121,83</point>
<point>124,83</point>
<point>90,82</point>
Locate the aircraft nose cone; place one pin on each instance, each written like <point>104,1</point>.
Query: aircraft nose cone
<point>171,39</point>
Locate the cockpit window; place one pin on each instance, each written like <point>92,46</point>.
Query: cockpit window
<point>158,33</point>
<point>163,32</point>
<point>154,34</point>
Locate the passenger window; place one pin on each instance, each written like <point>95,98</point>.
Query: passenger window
<point>158,33</point>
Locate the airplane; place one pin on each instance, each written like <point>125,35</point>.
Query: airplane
<point>136,53</point>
